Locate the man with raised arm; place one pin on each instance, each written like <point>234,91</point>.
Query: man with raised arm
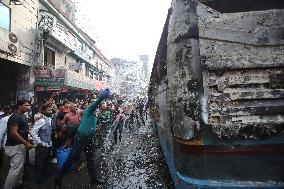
<point>84,141</point>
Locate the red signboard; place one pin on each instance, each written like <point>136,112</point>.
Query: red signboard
<point>38,88</point>
<point>59,89</point>
<point>53,88</point>
<point>40,73</point>
<point>48,77</point>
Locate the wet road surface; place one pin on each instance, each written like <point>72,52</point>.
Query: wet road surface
<point>134,163</point>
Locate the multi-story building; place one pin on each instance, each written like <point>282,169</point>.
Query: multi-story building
<point>145,60</point>
<point>69,59</point>
<point>42,50</point>
<point>18,54</point>
<point>129,78</point>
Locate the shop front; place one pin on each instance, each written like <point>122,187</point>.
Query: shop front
<point>14,82</point>
<point>69,84</point>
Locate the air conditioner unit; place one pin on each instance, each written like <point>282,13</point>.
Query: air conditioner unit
<point>17,2</point>
<point>9,43</point>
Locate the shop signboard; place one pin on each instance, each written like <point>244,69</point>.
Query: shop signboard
<point>49,77</point>
<point>22,94</point>
<point>53,88</point>
<point>58,89</point>
<point>39,88</point>
<point>75,66</point>
<point>79,81</point>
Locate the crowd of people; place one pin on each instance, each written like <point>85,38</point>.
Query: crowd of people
<point>80,126</point>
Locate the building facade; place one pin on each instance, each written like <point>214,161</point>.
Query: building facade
<point>18,28</point>
<point>42,50</point>
<point>129,79</point>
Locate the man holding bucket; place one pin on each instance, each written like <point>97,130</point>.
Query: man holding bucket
<point>84,141</point>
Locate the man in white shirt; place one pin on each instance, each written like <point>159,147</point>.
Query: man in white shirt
<point>3,130</point>
<point>1,111</point>
<point>3,137</point>
<point>41,134</point>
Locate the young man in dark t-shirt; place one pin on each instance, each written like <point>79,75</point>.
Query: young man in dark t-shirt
<point>17,144</point>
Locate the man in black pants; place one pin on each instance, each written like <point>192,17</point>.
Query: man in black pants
<point>84,141</point>
<point>140,108</point>
<point>41,133</point>
<point>118,129</point>
<point>17,144</point>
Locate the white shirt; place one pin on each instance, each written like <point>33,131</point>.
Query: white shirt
<point>3,130</point>
<point>43,123</point>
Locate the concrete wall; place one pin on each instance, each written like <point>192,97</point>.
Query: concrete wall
<point>66,8</point>
<point>23,24</point>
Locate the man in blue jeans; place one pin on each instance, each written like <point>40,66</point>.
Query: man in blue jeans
<point>84,141</point>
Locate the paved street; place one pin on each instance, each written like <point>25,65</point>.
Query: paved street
<point>135,162</point>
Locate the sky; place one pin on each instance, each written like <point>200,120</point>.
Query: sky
<point>124,28</point>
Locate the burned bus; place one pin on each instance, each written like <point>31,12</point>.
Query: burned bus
<point>217,93</point>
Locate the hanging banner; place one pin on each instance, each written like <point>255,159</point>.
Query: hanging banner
<point>39,88</point>
<point>47,77</point>
<point>75,66</point>
<point>78,81</point>
<point>53,88</point>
